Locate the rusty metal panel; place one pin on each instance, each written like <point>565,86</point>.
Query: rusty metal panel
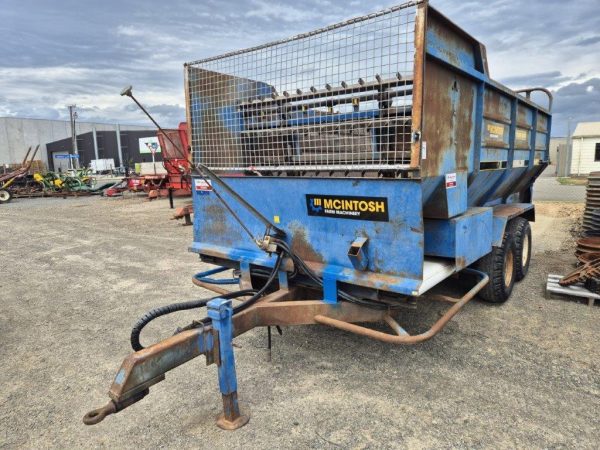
<point>443,38</point>
<point>497,106</point>
<point>449,105</point>
<point>448,131</point>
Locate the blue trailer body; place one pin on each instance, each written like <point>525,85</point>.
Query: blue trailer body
<point>395,246</point>
<point>470,146</point>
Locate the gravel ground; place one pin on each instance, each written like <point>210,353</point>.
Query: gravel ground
<point>77,273</point>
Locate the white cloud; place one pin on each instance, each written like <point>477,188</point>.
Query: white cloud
<point>281,12</point>
<point>58,58</point>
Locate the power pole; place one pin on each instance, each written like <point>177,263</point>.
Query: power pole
<point>74,159</point>
<point>569,157</point>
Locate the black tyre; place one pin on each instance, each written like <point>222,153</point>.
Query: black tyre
<point>5,196</point>
<point>499,264</point>
<point>519,232</point>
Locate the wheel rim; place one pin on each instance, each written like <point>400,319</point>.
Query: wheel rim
<point>4,196</point>
<point>508,268</point>
<point>525,251</point>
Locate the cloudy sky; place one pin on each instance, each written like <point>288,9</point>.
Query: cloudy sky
<point>60,52</point>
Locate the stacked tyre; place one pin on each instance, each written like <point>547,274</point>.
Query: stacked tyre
<point>591,215</point>
<point>507,263</point>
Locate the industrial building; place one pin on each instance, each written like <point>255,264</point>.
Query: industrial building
<point>585,149</point>
<point>18,134</point>
<point>123,148</point>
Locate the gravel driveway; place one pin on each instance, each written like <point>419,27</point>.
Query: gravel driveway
<point>77,273</point>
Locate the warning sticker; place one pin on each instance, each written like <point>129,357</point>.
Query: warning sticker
<point>522,135</point>
<point>495,131</point>
<point>202,187</point>
<point>450,180</point>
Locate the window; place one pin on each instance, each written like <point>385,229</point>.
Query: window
<point>597,152</point>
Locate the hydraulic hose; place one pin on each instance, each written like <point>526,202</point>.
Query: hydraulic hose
<point>298,262</point>
<point>175,307</point>
<point>168,309</point>
<point>284,249</point>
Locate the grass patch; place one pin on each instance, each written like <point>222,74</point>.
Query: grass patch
<point>567,181</point>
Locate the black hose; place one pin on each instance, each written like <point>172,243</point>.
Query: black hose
<point>343,295</point>
<point>175,307</point>
<point>263,289</point>
<point>298,264</point>
<point>168,309</point>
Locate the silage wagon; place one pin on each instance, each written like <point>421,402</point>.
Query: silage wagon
<point>342,174</point>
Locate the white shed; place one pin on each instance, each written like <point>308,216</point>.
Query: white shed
<point>585,144</point>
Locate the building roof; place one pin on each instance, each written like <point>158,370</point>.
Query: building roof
<point>99,125</point>
<point>587,129</point>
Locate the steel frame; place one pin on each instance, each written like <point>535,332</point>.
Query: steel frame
<point>142,369</point>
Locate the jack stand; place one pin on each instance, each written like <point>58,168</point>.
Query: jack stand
<point>221,312</point>
<point>184,212</point>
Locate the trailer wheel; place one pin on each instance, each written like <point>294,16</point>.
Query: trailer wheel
<point>520,233</point>
<point>499,264</point>
<point>5,196</point>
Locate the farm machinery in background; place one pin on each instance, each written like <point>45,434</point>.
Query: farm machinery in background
<point>177,181</point>
<point>21,182</point>
<point>69,182</point>
<point>163,178</point>
<point>8,180</point>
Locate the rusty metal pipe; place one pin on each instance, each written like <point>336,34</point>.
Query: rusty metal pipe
<point>32,158</point>
<point>528,92</point>
<point>395,325</point>
<point>408,339</point>
<point>26,156</point>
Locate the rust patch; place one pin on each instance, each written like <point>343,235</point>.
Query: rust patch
<point>496,106</point>
<point>301,245</point>
<point>448,104</point>
<point>214,224</point>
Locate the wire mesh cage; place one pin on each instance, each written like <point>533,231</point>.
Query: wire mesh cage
<point>337,98</point>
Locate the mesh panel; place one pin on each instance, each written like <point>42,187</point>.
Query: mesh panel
<point>335,98</point>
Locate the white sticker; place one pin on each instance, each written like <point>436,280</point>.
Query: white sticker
<point>423,150</point>
<point>201,185</point>
<point>450,180</point>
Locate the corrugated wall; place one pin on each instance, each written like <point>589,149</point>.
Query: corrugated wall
<point>17,134</point>
<point>582,160</point>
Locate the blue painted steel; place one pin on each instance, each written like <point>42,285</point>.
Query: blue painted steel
<point>343,275</point>
<point>221,312</point>
<point>498,230</point>
<point>493,191</point>
<point>330,294</point>
<point>316,119</point>
<point>282,277</point>
<point>484,165</point>
<point>205,277</point>
<point>443,49</point>
<point>395,247</point>
<point>465,238</point>
<point>475,157</point>
<point>533,140</point>
<point>453,200</point>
